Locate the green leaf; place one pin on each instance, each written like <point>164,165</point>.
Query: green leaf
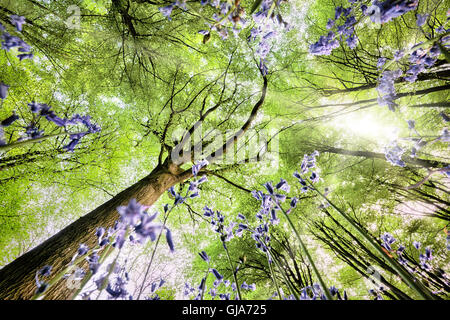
<point>255,6</point>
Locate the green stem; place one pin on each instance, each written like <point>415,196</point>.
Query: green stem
<point>112,266</point>
<point>234,273</point>
<point>288,283</point>
<point>204,285</point>
<point>153,254</point>
<point>60,275</point>
<point>305,250</point>
<point>107,251</point>
<point>413,283</point>
<point>274,280</point>
<point>31,141</point>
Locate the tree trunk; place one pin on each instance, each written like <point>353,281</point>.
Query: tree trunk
<point>17,278</point>
<point>368,154</point>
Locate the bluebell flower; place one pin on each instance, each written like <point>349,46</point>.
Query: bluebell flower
<point>338,12</point>
<point>208,212</point>
<point>118,290</point>
<point>17,21</point>
<point>224,296</point>
<point>83,249</point>
<point>394,154</point>
<point>398,55</point>
<point>421,19</point>
<point>325,45</point>
<point>169,240</point>
<point>167,11</point>
<point>196,168</point>
<point>283,185</point>
<point>217,274</point>
<point>25,56</point>
<point>33,132</point>
<point>9,121</point>
<point>382,12</point>
<point>363,8</point>
<point>3,90</point>
<point>330,24</point>
<point>94,262</point>
<point>41,287</point>
<point>416,244</point>
<point>387,241</point>
<point>99,232</point>
<point>263,67</point>
<point>268,186</point>
<point>132,213</point>
<point>352,41</point>
<point>147,228</point>
<point>314,177</point>
<point>45,271</point>
<point>428,255</point>
<point>411,124</point>
<point>380,63</point>
<point>204,256</point>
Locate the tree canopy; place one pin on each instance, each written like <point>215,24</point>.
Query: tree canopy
<point>224,149</point>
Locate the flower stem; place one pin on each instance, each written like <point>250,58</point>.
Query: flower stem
<point>305,250</point>
<point>274,280</point>
<point>415,285</point>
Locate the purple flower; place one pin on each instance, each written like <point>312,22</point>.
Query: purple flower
<point>196,168</point>
<point>393,154</point>
<point>398,55</point>
<point>204,256</point>
<point>217,274</point>
<point>428,252</point>
<point>268,186</point>
<point>421,19</point>
<point>293,203</point>
<point>352,41</point>
<point>132,213</point>
<point>283,185</point>
<point>330,24</point>
<point>169,240</point>
<point>93,261</point>
<point>10,120</point>
<point>148,229</point>
<point>416,244</point>
<point>337,12</point>
<point>314,177</point>
<point>241,216</point>
<point>3,90</point>
<point>411,124</point>
<point>387,241</point>
<point>167,11</point>
<point>381,62</point>
<point>71,146</point>
<point>325,45</point>
<point>382,12</point>
<point>17,21</point>
<point>83,249</point>
<point>45,271</point>
<point>33,132</point>
<point>207,212</point>
<point>25,56</point>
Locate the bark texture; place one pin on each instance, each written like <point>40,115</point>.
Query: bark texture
<point>17,278</point>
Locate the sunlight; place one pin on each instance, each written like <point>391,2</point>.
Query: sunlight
<point>366,126</point>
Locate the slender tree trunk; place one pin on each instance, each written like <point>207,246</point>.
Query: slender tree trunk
<point>17,278</point>
<point>368,154</point>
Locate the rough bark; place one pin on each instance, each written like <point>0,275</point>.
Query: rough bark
<point>17,278</point>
